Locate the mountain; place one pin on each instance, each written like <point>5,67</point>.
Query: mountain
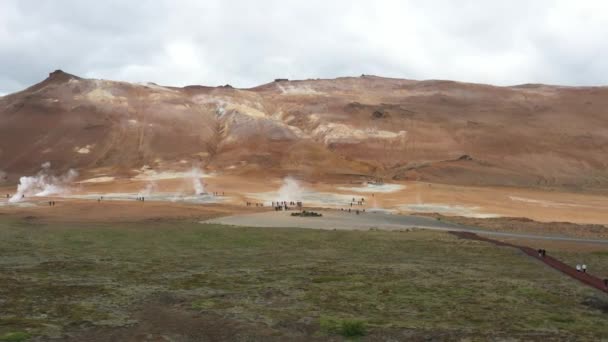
<point>438,131</point>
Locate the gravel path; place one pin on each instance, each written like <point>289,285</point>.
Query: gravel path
<point>342,220</point>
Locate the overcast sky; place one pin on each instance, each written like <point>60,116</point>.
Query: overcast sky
<point>246,43</point>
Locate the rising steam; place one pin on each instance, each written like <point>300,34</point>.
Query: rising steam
<point>196,174</point>
<point>44,184</point>
<point>150,188</point>
<point>289,191</point>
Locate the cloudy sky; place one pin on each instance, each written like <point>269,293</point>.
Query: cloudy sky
<point>246,43</point>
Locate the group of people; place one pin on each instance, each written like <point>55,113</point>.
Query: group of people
<point>357,211</point>
<point>542,253</point>
<point>51,203</point>
<point>100,199</point>
<point>279,205</point>
<point>581,268</point>
<point>141,199</point>
<point>357,202</point>
<point>217,193</point>
<point>284,205</point>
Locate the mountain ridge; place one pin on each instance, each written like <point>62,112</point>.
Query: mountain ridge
<point>525,135</point>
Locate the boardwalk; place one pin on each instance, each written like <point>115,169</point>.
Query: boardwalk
<point>583,277</point>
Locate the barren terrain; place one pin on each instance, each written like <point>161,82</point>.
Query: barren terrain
<point>351,128</point>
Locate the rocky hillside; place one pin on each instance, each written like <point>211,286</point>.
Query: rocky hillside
<point>441,131</point>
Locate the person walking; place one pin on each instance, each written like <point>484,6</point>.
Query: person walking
<point>578,268</point>
<point>584,268</point>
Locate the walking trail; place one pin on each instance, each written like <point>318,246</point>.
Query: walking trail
<point>343,220</point>
<point>583,277</point>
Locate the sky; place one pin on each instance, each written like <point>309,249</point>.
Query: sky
<point>246,43</point>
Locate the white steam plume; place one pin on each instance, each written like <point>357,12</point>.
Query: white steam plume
<point>44,184</point>
<point>150,188</point>
<point>197,183</point>
<point>289,191</point>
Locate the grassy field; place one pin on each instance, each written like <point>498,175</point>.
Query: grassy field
<point>183,281</point>
<point>596,261</point>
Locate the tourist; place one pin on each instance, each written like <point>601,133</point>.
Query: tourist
<point>578,268</point>
<point>584,268</point>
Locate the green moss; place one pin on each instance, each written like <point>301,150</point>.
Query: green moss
<point>344,327</point>
<point>15,337</point>
<point>61,275</point>
<point>202,304</point>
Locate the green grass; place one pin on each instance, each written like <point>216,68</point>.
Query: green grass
<point>15,337</point>
<point>346,327</point>
<point>56,277</point>
<point>597,261</point>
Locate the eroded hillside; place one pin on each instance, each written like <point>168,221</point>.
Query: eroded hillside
<point>440,131</point>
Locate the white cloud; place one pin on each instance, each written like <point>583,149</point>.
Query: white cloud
<point>246,43</point>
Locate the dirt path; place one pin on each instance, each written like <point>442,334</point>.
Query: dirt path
<point>583,277</point>
<point>342,220</point>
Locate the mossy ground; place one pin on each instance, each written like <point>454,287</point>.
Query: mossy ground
<point>63,278</point>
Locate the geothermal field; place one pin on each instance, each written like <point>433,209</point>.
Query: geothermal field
<point>141,212</point>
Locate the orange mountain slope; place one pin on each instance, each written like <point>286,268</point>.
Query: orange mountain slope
<point>439,131</point>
